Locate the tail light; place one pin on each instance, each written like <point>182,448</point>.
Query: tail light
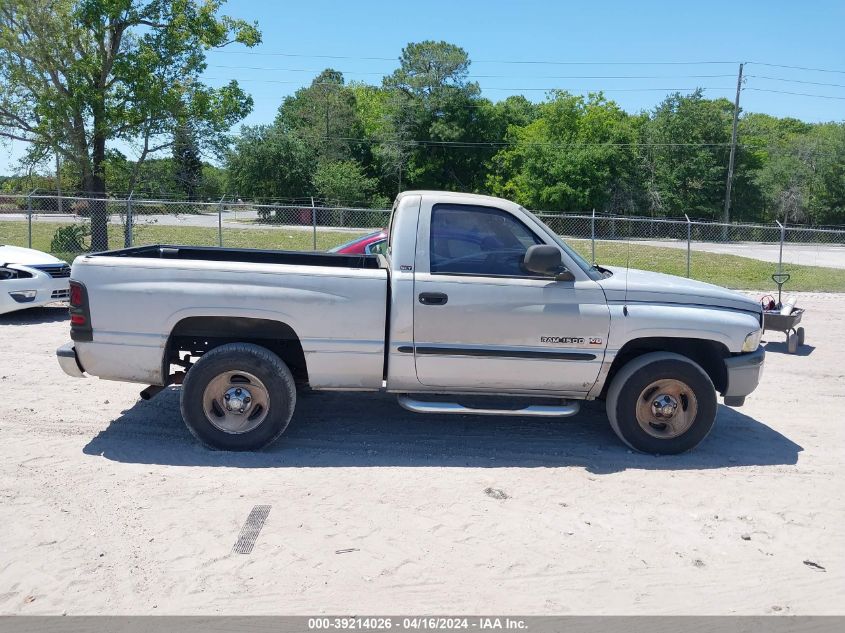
<point>80,313</point>
<point>76,294</point>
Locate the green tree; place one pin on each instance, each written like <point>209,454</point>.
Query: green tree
<point>187,164</point>
<point>577,154</point>
<point>432,100</point>
<point>344,183</point>
<point>324,116</point>
<point>685,156</point>
<point>266,163</point>
<point>76,75</point>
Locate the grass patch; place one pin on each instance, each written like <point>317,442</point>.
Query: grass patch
<point>730,271</point>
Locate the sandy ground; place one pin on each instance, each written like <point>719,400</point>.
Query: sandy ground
<point>107,505</point>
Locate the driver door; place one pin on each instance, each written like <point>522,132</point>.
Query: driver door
<point>481,322</point>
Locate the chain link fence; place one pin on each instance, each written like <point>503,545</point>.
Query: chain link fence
<point>739,255</point>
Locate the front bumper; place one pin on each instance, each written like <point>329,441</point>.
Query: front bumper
<point>743,375</point>
<point>69,362</point>
<point>47,290</point>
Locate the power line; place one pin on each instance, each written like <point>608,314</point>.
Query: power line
<point>356,72</point>
<point>817,70</point>
<point>799,94</point>
<point>487,61</point>
<point>513,143</point>
<point>555,145</point>
<point>798,81</point>
<point>510,89</point>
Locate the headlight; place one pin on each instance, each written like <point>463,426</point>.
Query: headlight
<point>752,341</point>
<point>11,273</point>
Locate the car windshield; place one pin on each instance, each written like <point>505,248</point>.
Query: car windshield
<point>593,272</point>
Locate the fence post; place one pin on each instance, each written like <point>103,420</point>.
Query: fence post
<point>29,217</point>
<point>780,254</point>
<point>593,235</point>
<point>689,239</point>
<point>220,222</point>
<point>127,235</point>
<point>314,223</point>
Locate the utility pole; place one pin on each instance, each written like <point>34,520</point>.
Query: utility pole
<point>728,185</point>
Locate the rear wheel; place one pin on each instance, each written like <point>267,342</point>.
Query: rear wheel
<point>661,403</point>
<point>800,332</point>
<point>238,397</point>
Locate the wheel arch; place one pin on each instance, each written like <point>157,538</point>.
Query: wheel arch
<point>708,354</point>
<point>197,335</point>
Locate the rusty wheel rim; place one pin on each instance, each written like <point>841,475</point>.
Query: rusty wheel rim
<point>666,408</point>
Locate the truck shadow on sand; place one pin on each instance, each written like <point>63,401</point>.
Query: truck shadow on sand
<point>359,430</point>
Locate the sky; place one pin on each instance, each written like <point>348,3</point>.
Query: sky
<point>584,46</point>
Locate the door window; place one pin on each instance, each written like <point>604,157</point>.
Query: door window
<point>469,240</point>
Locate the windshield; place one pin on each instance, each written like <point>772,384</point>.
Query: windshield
<point>582,263</point>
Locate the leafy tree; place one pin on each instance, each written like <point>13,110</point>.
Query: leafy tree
<point>344,183</point>
<point>432,100</point>
<point>577,154</point>
<point>324,116</point>
<point>213,182</point>
<point>76,75</point>
<point>187,164</point>
<point>685,156</point>
<point>803,176</point>
<point>266,163</point>
<point>385,123</point>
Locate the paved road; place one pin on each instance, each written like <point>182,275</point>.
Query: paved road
<point>826,255</point>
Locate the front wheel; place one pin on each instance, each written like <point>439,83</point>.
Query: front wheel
<point>661,403</point>
<point>238,397</point>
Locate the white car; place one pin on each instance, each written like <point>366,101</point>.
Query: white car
<point>30,278</point>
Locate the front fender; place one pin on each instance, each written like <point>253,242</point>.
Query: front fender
<point>723,325</point>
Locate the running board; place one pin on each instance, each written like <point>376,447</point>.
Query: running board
<point>536,411</point>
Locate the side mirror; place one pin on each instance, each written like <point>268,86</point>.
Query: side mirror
<point>544,259</point>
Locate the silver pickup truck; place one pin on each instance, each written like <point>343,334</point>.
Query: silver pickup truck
<point>475,296</point>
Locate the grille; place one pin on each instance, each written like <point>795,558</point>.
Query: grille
<point>60,294</point>
<point>57,271</point>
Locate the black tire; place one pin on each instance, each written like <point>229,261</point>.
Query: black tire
<point>275,379</point>
<point>800,332</point>
<point>632,381</point>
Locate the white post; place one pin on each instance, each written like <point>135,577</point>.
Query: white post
<point>689,236</point>
<point>593,235</point>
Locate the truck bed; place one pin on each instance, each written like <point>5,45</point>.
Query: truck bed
<point>248,255</point>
